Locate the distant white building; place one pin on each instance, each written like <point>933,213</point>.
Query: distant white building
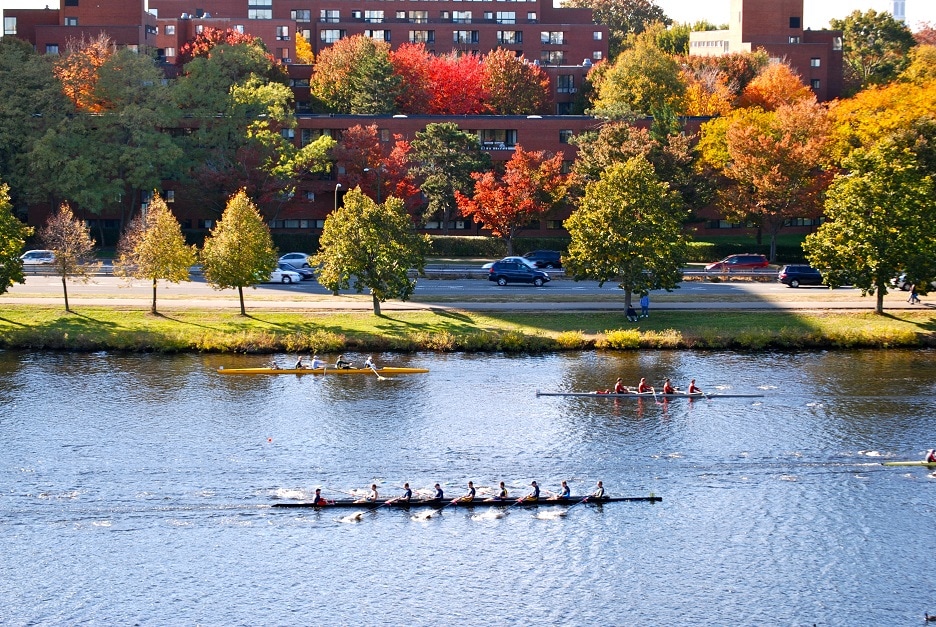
<point>898,10</point>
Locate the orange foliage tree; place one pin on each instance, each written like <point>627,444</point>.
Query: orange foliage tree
<point>776,85</point>
<point>531,185</point>
<point>514,85</point>
<point>78,68</point>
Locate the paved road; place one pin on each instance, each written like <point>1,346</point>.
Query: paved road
<point>468,294</point>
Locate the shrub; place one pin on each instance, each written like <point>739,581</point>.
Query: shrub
<point>621,339</point>
<point>572,340</point>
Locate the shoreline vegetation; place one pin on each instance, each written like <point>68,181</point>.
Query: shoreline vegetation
<point>40,327</point>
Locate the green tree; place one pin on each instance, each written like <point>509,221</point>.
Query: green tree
<point>369,245</point>
<point>354,75</point>
<point>880,221</point>
<point>874,48</point>
<point>239,250</point>
<point>623,18</point>
<point>154,248</point>
<point>627,229</point>
<point>13,234</point>
<point>445,158</point>
<point>642,81</point>
<point>69,238</point>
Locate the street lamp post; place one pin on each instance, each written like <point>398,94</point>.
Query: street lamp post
<point>337,187</point>
<point>378,170</point>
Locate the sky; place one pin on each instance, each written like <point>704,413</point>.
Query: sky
<point>817,13</point>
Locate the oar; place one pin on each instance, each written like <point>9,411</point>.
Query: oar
<point>576,505</point>
<point>379,377</point>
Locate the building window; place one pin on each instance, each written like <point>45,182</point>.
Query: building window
<point>71,3</point>
<point>199,29</point>
<point>837,43</point>
<point>288,133</point>
<point>531,17</point>
<point>259,9</point>
<point>239,28</point>
<point>301,15</point>
<point>419,17</point>
<point>506,17</point>
<point>330,16</point>
<point>564,136</point>
<point>488,16</point>
<point>551,37</point>
<point>374,17</point>
<point>51,49</point>
<point>9,26</point>
<point>552,57</point>
<point>309,196</point>
<point>597,35</point>
<point>565,84</point>
<point>298,82</point>
<point>814,83</point>
<point>596,55</point>
<point>71,21</point>
<point>169,195</point>
<point>169,52</point>
<point>815,62</point>
<point>422,36</point>
<point>379,35</point>
<point>282,33</point>
<point>498,139</point>
<point>509,37</point>
<point>309,135</point>
<point>794,40</point>
<point>794,22</point>
<point>169,29</point>
<point>461,17</point>
<point>330,36</point>
<point>465,37</point>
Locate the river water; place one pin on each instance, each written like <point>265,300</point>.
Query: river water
<point>137,490</point>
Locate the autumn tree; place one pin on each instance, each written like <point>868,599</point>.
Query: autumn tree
<point>445,159</point>
<point>366,245</point>
<point>627,229</point>
<point>69,239</point>
<point>880,221</point>
<point>674,39</point>
<point>532,184</point>
<point>514,86</point>
<point>772,163</point>
<point>457,85</point>
<point>411,62</point>
<point>239,250</point>
<point>874,48</point>
<point>209,39</point>
<point>304,54</point>
<point>925,34</point>
<point>642,81</point>
<point>361,157</point>
<point>921,68</point>
<point>777,84</point>
<point>623,18</point>
<point>77,69</point>
<point>354,75</point>
<point>153,248</point>
<point>13,234</point>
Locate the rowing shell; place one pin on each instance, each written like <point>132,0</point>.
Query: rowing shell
<point>379,371</point>
<point>916,463</point>
<point>647,395</point>
<point>572,500</point>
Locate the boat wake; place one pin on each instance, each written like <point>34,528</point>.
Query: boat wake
<point>352,518</point>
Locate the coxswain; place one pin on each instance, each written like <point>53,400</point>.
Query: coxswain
<point>317,500</point>
<point>469,496</point>
<point>341,364</point>
<point>564,493</point>
<point>668,387</point>
<point>643,387</point>
<point>439,495</point>
<point>619,387</point>
<point>317,363</point>
<point>599,492</point>
<point>533,496</point>
<point>694,389</point>
<point>931,456</point>
<point>407,494</point>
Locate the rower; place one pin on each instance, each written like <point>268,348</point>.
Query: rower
<point>643,387</point>
<point>501,493</point>
<point>317,499</point>
<point>619,387</point>
<point>317,363</point>
<point>371,497</point>
<point>599,492</point>
<point>407,494</point>
<point>439,495</point>
<point>341,364</point>
<point>298,365</point>
<point>668,387</point>
<point>469,497</point>
<point>533,496</point>
<point>564,493</point>
<point>369,363</point>
<point>694,389</point>
<point>931,456</point>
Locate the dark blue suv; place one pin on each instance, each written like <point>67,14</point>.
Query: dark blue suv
<point>504,272</point>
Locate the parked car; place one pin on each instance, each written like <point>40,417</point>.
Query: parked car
<point>522,260</point>
<point>306,272</point>
<point>800,274</point>
<point>545,258</point>
<point>504,272</point>
<point>284,276</point>
<point>297,259</point>
<point>903,284</point>
<point>738,262</point>
<point>37,257</point>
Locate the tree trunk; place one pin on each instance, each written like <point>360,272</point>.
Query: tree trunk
<point>773,247</point>
<point>376,304</point>
<point>879,301</point>
<point>240,294</point>
<point>65,291</point>
<point>154,296</point>
<point>627,298</point>
<point>510,248</point>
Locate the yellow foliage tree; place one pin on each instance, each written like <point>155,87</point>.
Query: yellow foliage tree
<point>304,52</point>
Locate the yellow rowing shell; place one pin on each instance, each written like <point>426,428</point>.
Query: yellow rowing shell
<point>379,371</point>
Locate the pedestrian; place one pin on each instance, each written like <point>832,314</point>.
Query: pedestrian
<point>914,299</point>
<point>645,305</point>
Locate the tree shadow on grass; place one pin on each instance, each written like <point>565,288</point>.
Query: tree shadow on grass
<point>13,322</point>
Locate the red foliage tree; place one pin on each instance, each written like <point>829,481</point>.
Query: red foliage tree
<point>411,62</point>
<point>379,176</point>
<point>532,184</point>
<point>457,85</point>
<point>206,40</point>
<point>926,36</point>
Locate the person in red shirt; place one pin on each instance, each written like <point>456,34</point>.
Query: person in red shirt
<point>619,387</point>
<point>668,387</point>
<point>643,386</point>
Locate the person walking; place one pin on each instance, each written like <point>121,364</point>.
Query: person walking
<point>645,305</point>
<point>914,298</point>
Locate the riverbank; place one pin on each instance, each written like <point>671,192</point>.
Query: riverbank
<point>41,327</point>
